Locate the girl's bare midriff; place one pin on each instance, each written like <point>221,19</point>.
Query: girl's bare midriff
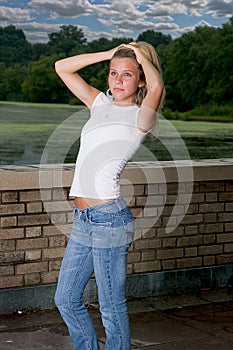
<point>82,203</point>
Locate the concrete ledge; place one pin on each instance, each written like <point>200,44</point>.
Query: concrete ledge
<point>138,286</point>
<point>60,175</point>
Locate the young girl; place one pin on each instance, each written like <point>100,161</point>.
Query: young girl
<point>103,226</point>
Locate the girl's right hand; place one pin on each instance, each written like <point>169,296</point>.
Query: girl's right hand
<point>112,51</point>
<point>140,57</point>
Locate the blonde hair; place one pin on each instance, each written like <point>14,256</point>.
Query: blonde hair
<point>151,55</point>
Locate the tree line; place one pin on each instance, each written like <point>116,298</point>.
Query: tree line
<point>197,67</point>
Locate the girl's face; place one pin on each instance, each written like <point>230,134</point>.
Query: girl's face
<point>123,79</point>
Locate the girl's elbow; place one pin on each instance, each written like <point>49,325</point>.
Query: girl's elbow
<point>157,88</point>
<point>58,66</point>
<point>160,85</point>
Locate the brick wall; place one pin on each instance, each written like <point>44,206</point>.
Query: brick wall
<point>36,217</point>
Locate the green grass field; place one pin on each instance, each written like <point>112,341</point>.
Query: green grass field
<point>25,130</point>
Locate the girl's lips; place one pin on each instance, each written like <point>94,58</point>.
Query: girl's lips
<point>118,89</point>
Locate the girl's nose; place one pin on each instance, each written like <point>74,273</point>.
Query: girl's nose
<point>119,79</point>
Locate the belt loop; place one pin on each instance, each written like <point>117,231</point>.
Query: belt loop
<point>79,211</point>
<point>87,213</point>
<point>120,203</point>
<point>75,209</point>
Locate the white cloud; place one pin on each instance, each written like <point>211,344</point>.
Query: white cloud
<point>159,10</point>
<point>192,28</point>
<point>39,27</point>
<point>36,37</point>
<point>220,8</point>
<point>119,9</point>
<point>37,32</point>
<point>117,17</point>
<point>14,14</point>
<point>65,8</point>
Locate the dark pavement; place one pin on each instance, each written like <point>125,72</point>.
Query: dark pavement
<point>197,321</point>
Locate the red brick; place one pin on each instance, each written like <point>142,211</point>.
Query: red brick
<point>7,245</point>
<point>33,255</point>
<point>11,281</point>
<point>10,197</point>
<point>28,268</point>
<point>30,220</point>
<point>9,209</point>
<point>32,279</point>
<point>32,243</point>
<point>12,233</point>
<point>148,266</point>
<point>53,253</point>
<point>55,265</point>
<point>7,270</point>
<point>11,257</point>
<point>9,221</point>
<point>59,241</point>
<point>210,249</point>
<point>170,253</point>
<point>49,277</point>
<point>189,262</point>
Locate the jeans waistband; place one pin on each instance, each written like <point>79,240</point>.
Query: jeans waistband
<point>118,203</point>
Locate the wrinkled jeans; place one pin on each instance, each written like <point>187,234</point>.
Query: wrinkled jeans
<point>99,242</point>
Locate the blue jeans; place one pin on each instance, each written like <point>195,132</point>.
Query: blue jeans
<point>99,242</point>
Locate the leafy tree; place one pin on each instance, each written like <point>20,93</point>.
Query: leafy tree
<point>39,50</point>
<point>103,44</point>
<point>2,81</point>
<point>14,48</point>
<point>197,66</point>
<point>41,83</point>
<point>220,84</point>
<point>68,38</point>
<point>100,80</point>
<point>191,64</point>
<point>100,44</point>
<point>154,38</point>
<point>11,81</point>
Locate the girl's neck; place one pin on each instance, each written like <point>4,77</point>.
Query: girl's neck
<point>123,103</point>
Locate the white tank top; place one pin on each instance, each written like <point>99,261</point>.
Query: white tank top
<point>108,141</point>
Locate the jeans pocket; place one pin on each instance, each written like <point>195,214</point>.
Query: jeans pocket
<point>129,230</point>
<point>100,219</point>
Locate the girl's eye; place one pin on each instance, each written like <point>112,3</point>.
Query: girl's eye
<point>113,74</point>
<point>127,74</point>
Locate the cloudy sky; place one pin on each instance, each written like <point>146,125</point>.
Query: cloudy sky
<point>117,18</point>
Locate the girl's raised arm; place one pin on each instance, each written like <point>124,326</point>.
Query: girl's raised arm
<point>155,88</point>
<point>154,81</point>
<point>151,102</point>
<point>67,70</point>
